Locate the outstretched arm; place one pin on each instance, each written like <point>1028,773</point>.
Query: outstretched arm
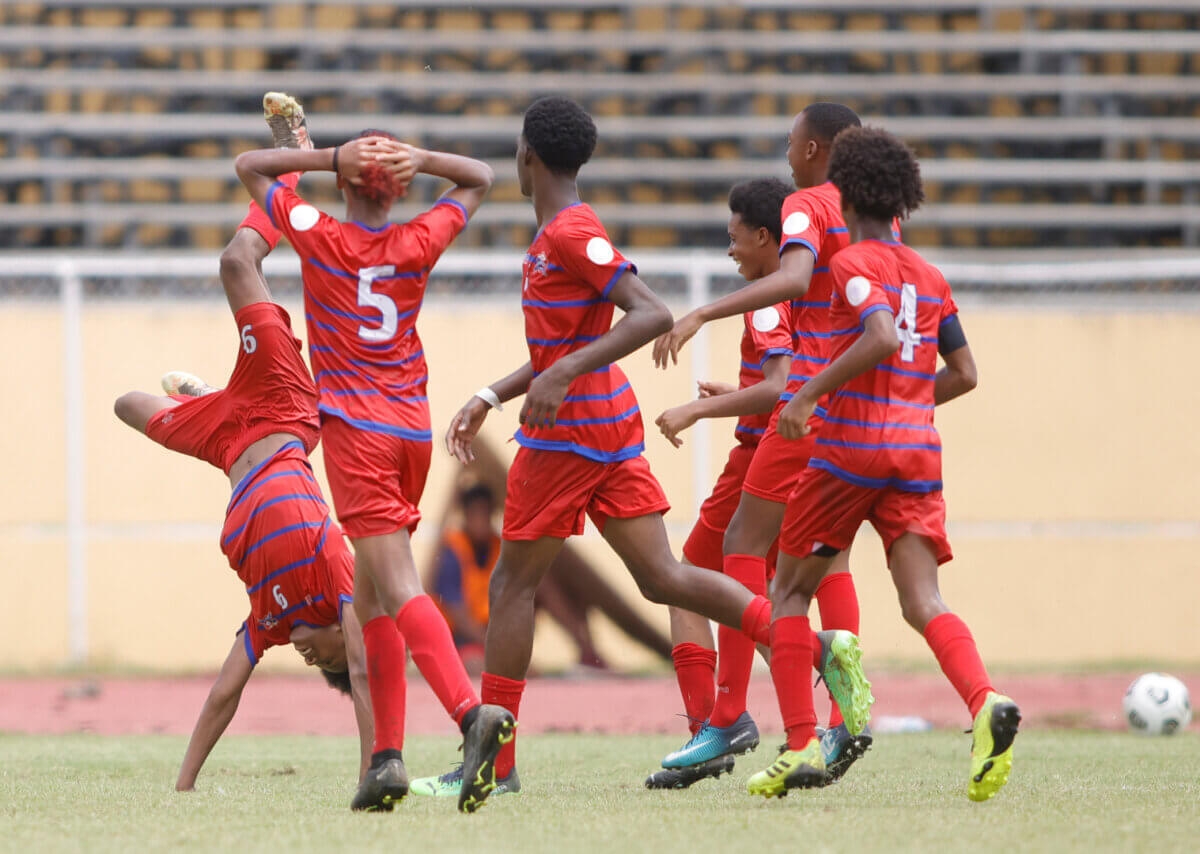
<point>645,317</point>
<point>789,282</point>
<point>467,422</point>
<point>356,660</point>
<point>216,714</point>
<point>257,170</point>
<point>877,342</point>
<point>758,398</point>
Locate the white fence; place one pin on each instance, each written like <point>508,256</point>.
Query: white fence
<point>1172,273</point>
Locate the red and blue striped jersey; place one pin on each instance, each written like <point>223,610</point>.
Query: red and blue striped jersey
<point>363,289</point>
<point>768,333</point>
<point>569,271</point>
<point>878,428</point>
<point>286,550</point>
<point>812,218</point>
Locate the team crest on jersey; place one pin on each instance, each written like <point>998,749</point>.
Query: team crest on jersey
<point>540,262</point>
<point>268,622</point>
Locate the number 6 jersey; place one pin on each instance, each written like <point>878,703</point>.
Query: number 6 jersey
<point>879,428</point>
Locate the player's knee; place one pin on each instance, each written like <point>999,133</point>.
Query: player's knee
<point>126,407</point>
<point>919,607</point>
<point>506,584</point>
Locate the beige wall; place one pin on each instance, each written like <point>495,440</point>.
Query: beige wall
<point>1065,472</point>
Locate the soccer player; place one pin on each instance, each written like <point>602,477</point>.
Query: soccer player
<point>364,280</point>
<point>812,232</point>
<point>581,430</point>
<point>877,457</point>
<point>766,354</point>
<point>278,536</point>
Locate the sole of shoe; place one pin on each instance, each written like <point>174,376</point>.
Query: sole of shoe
<point>494,728</point>
<point>994,774</point>
<point>682,778</point>
<point>387,788</point>
<point>853,751</point>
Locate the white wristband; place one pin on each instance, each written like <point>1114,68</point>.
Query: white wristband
<point>489,397</point>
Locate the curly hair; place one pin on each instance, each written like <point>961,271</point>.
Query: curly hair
<point>824,120</point>
<point>378,184</point>
<point>339,680</point>
<point>759,202</point>
<point>561,133</point>
<point>876,173</point>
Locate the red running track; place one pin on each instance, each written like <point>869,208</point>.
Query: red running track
<point>304,705</point>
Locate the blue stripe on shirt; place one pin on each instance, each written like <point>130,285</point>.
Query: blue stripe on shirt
<point>582,450</point>
<point>283,570</point>
<point>279,532</point>
<point>246,478</point>
<point>293,496</point>
<point>455,203</point>
<point>855,395</point>
<point>557,342</point>
<point>608,419</point>
<point>797,241</point>
<point>902,372</point>
<point>879,446</point>
<point>875,482</point>
<point>805,357</point>
<point>608,395</point>
<point>563,303</point>
<point>625,265</point>
<point>270,198</point>
<point>378,426</point>
<point>391,363</point>
<point>899,425</point>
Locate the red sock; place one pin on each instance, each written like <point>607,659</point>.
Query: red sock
<point>838,604</point>
<point>791,672</point>
<point>501,691</point>
<point>756,620</point>
<point>694,668</point>
<point>955,649</point>
<point>385,675</point>
<point>735,648</point>
<point>432,645</point>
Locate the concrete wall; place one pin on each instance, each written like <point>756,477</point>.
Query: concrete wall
<point>1070,479</point>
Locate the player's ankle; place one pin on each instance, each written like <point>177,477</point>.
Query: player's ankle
<point>381,756</point>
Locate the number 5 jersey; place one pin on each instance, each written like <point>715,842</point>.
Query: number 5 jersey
<point>363,289</point>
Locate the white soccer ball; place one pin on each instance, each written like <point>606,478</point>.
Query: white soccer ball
<point>1157,704</point>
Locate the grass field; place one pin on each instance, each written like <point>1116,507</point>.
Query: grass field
<point>1070,791</point>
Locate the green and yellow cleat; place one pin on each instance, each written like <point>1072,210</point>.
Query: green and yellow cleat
<point>841,669</point>
<point>993,733</point>
<point>793,769</point>
<point>449,785</point>
<point>181,382</point>
<point>493,728</point>
<point>285,118</point>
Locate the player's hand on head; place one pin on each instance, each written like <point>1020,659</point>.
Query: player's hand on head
<point>357,154</point>
<point>404,161</point>
<point>674,421</point>
<point>463,428</point>
<point>543,399</point>
<point>668,345</point>
<point>707,388</point>
<point>793,418</point>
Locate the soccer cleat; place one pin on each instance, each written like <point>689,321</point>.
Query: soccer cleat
<point>841,668</point>
<point>793,769</point>
<point>181,382</point>
<point>493,728</point>
<point>681,778</point>
<point>841,749</point>
<point>994,730</point>
<point>711,742</point>
<point>285,118</point>
<point>449,785</point>
<point>385,785</point>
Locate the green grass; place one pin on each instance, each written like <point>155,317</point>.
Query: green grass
<point>1070,791</point>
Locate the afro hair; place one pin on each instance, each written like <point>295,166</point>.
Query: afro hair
<point>561,133</point>
<point>876,173</point>
<point>759,203</point>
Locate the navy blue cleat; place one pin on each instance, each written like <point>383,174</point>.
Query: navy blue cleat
<point>841,749</point>
<point>712,742</point>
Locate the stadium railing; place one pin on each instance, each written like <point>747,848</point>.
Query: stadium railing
<point>76,279</point>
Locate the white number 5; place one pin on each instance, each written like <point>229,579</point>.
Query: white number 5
<point>906,323</point>
<point>383,304</point>
<point>249,342</point>
<point>279,597</point>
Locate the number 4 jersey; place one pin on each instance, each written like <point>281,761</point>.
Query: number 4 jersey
<point>879,428</point>
<point>363,288</point>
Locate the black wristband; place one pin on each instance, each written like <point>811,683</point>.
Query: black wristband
<point>336,149</point>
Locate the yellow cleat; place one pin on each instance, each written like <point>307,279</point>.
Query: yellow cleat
<point>285,118</point>
<point>991,751</point>
<point>793,769</point>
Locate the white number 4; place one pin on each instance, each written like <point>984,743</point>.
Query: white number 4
<point>279,597</point>
<point>249,342</point>
<point>906,323</point>
<point>383,304</point>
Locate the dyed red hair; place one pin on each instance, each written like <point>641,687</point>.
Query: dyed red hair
<point>378,184</point>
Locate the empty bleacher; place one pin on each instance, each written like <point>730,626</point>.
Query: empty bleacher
<point>1074,123</point>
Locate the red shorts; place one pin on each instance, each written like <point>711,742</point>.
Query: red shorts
<point>549,492</point>
<point>705,545</point>
<point>376,479</point>
<point>826,510</point>
<point>270,391</point>
<point>778,462</point>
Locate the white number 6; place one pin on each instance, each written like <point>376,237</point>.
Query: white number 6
<point>249,342</point>
<point>383,304</point>
<point>279,597</point>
